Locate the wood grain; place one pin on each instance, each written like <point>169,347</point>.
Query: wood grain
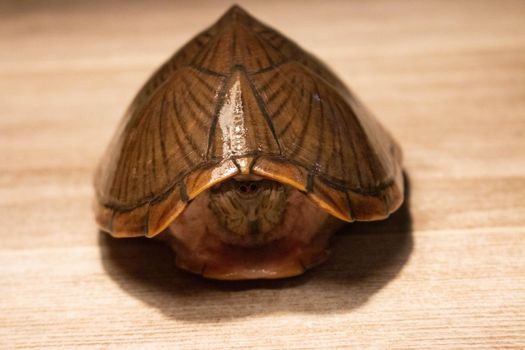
<point>448,271</point>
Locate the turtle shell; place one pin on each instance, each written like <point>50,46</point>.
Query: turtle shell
<point>240,98</point>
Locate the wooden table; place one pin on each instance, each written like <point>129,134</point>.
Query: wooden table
<point>447,271</point>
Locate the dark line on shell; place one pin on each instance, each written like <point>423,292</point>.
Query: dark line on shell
<point>140,132</point>
<point>281,105</point>
<point>183,192</point>
<point>235,159</point>
<point>216,49</point>
<point>200,106</point>
<point>270,68</point>
<point>386,202</point>
<point>252,164</point>
<point>203,38</point>
<point>132,158</point>
<point>353,145</point>
<point>268,82</point>
<point>153,147</point>
<point>351,210</point>
<point>336,145</point>
<point>289,123</point>
<point>179,142</point>
<point>204,54</point>
<point>201,80</point>
<point>263,110</point>
<point>219,105</point>
<point>234,45</point>
<point>258,62</point>
<point>118,183</point>
<point>310,182</point>
<point>254,125</point>
<point>271,33</point>
<point>207,71</point>
<point>151,168</point>
<point>115,183</point>
<point>320,146</point>
<point>185,132</point>
<point>263,48</point>
<point>146,220</point>
<point>161,136</point>
<point>306,125</point>
<point>199,122</point>
<point>110,224</point>
<point>275,93</point>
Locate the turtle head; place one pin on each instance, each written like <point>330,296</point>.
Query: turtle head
<point>248,208</point>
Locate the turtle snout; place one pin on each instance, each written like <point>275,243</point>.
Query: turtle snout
<point>246,188</point>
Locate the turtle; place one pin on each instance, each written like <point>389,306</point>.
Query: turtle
<point>245,154</point>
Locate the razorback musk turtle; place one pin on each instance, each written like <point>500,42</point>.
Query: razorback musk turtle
<point>245,154</point>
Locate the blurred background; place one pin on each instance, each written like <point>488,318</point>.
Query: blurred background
<point>447,78</point>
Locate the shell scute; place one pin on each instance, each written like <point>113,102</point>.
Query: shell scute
<point>161,213</point>
<point>130,223</point>
<point>334,201</point>
<point>281,171</point>
<point>202,179</point>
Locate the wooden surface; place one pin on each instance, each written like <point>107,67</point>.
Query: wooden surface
<point>447,271</point>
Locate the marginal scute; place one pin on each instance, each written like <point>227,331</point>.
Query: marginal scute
<point>129,223</point>
<point>334,201</point>
<point>202,179</point>
<point>377,206</point>
<point>281,171</point>
<point>327,197</point>
<point>367,207</point>
<point>162,213</point>
<point>395,193</point>
<point>103,216</point>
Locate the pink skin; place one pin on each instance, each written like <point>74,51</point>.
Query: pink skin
<point>298,243</point>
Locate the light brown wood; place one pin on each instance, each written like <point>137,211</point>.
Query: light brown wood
<point>446,78</point>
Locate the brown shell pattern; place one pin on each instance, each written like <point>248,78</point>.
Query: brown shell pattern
<point>242,98</point>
